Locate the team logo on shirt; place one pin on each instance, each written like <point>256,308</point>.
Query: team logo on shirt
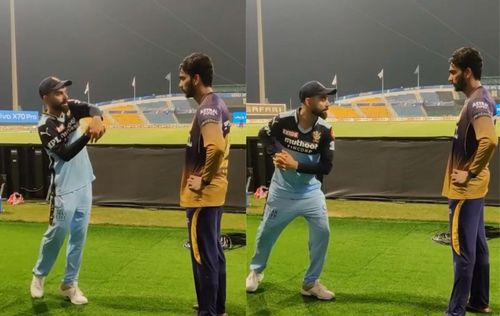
<point>480,105</point>
<point>209,112</point>
<point>46,132</point>
<point>300,145</point>
<point>290,133</point>
<point>316,136</point>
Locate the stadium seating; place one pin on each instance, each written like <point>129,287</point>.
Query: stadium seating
<point>152,105</point>
<point>127,118</point>
<point>183,106</point>
<point>342,112</point>
<point>158,112</point>
<point>409,98</point>
<point>432,102</point>
<point>370,100</point>
<point>442,110</point>
<point>459,102</point>
<point>122,114</point>
<point>160,117</point>
<point>408,110</point>
<point>122,107</point>
<point>193,104</point>
<point>107,120</point>
<point>430,98</point>
<point>445,96</point>
<point>234,102</point>
<point>375,110</point>
<point>184,118</point>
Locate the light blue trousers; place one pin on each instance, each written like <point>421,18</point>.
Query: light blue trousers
<point>278,213</point>
<point>71,214</point>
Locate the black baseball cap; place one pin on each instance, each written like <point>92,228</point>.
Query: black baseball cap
<point>314,88</point>
<point>52,84</point>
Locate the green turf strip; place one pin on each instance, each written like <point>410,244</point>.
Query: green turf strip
<point>385,210</point>
<point>375,267</point>
<point>385,128</point>
<point>172,135</point>
<point>125,271</point>
<point>178,135</point>
<point>38,211</point>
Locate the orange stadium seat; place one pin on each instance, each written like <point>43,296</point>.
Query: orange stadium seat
<point>370,100</point>
<point>107,120</point>
<point>343,112</point>
<point>127,119</point>
<point>375,111</point>
<point>121,107</point>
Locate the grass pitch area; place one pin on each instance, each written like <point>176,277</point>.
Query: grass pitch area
<point>375,266</point>
<point>178,135</point>
<point>386,129</point>
<point>139,267</point>
<point>163,136</point>
<point>384,210</point>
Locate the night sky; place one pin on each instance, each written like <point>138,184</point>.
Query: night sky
<point>313,40</point>
<point>108,42</point>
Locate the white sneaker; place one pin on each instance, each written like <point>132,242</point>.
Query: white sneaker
<point>253,280</point>
<point>319,291</point>
<point>73,292</point>
<point>36,287</point>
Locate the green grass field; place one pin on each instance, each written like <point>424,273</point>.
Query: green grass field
<point>128,269</point>
<point>238,135</point>
<point>38,212</point>
<point>381,261</point>
<point>375,267</point>
<point>386,129</point>
<point>384,210</point>
<point>176,135</point>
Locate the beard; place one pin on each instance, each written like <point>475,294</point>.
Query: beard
<point>460,85</point>
<point>321,113</point>
<point>189,91</point>
<point>60,106</point>
<point>324,115</point>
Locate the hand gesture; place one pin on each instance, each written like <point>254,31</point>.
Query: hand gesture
<point>284,161</point>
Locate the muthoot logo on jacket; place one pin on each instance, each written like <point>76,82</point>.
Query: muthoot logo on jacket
<point>301,143</point>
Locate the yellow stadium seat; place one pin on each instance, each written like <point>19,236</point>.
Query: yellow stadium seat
<point>127,119</point>
<point>121,107</point>
<point>343,112</point>
<point>106,120</point>
<point>369,100</point>
<point>375,111</point>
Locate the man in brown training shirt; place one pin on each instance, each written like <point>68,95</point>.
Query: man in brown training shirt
<point>204,182</point>
<point>466,184</point>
